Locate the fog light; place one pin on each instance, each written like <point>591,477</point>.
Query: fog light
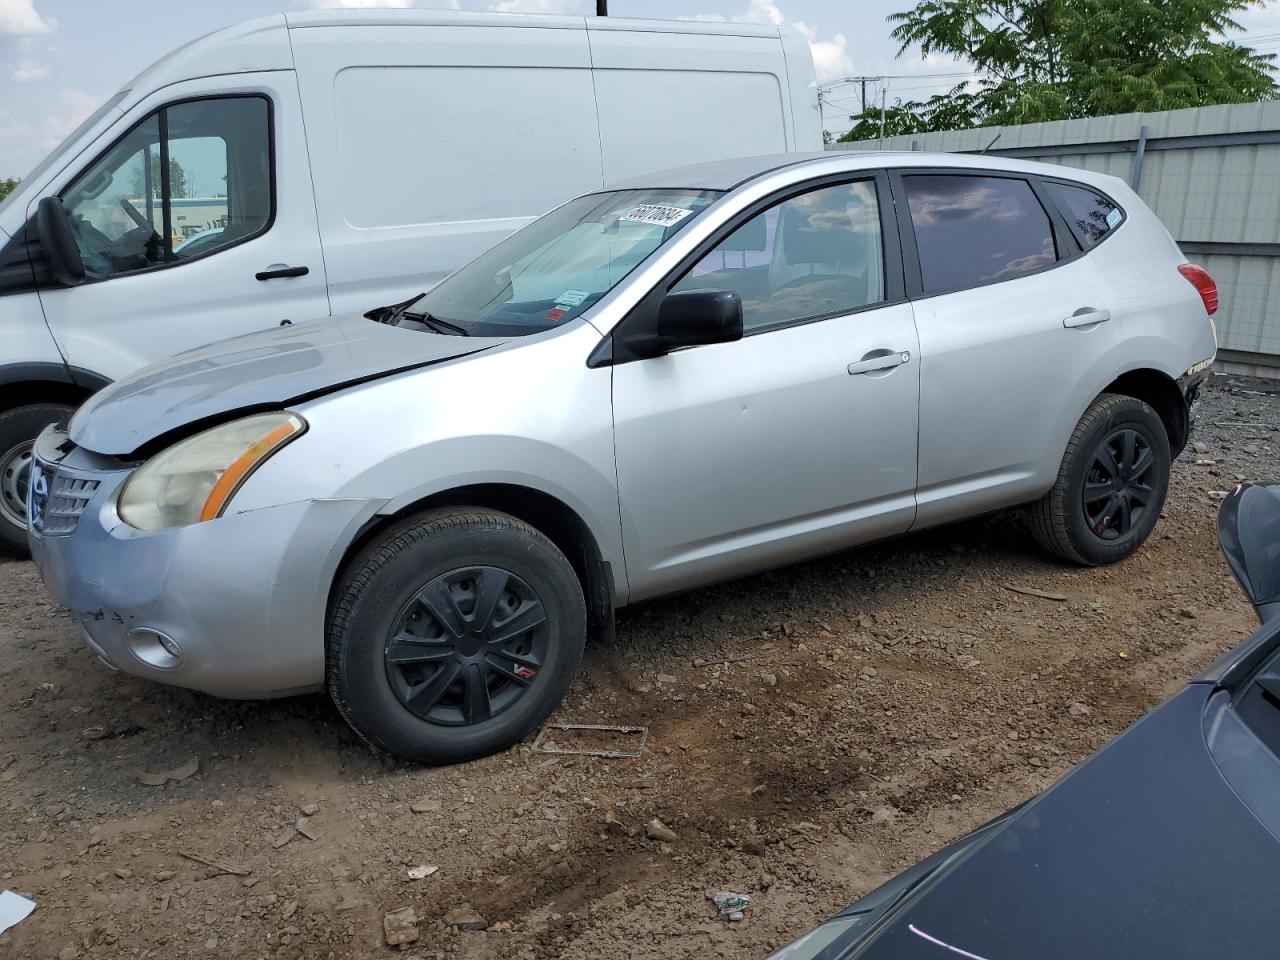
<point>154,648</point>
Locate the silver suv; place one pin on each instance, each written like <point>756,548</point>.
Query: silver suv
<point>689,377</point>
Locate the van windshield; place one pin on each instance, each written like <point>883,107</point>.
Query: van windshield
<point>558,266</point>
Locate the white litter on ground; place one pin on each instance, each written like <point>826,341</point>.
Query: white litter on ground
<point>14,908</point>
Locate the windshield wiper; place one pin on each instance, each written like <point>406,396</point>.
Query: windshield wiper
<point>435,323</point>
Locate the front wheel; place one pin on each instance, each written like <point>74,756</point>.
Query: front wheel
<point>453,635</point>
<point>1111,485</point>
<point>18,430</point>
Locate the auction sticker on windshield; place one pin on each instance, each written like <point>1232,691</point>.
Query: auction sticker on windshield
<point>655,213</point>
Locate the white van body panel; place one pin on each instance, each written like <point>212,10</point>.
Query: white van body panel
<point>435,134</point>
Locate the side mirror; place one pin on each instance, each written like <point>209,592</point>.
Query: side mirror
<point>691,318</point>
<point>1249,531</point>
<point>53,228</point>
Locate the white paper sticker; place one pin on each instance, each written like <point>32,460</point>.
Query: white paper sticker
<point>656,214</point>
<point>1114,218</point>
<point>14,908</point>
<point>572,298</point>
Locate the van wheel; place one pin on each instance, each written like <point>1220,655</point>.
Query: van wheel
<point>453,635</point>
<point>1111,486</point>
<point>18,430</point>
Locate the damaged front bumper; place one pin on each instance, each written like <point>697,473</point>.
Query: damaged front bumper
<point>233,607</point>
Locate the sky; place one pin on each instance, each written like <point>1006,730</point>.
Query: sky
<point>59,59</point>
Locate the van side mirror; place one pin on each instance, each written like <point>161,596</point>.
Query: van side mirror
<point>53,228</point>
<point>1249,531</point>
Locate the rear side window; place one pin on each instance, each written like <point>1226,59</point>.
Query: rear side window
<point>974,230</point>
<point>1090,215</point>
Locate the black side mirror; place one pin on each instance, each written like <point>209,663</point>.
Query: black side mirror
<point>1249,531</point>
<point>53,228</point>
<point>690,318</point>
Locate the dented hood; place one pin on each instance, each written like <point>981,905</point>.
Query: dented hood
<point>260,370</point>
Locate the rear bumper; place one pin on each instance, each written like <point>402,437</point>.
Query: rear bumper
<point>242,598</point>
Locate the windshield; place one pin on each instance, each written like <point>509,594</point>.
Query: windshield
<point>559,265</point>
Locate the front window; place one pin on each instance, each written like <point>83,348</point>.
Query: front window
<point>559,265</point>
<point>189,180</point>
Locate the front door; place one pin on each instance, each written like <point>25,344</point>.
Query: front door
<point>196,225</point>
<point>798,439</point>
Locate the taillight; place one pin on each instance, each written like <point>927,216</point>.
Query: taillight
<point>1200,279</point>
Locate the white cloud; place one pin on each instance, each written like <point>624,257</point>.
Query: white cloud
<point>72,107</point>
<point>372,4</point>
<point>18,18</point>
<point>830,55</point>
<point>538,6</point>
<point>28,71</point>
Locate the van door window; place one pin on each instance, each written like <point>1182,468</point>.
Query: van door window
<point>972,230</point>
<point>189,180</point>
<point>817,254</point>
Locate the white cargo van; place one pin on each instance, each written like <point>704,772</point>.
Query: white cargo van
<point>324,163</point>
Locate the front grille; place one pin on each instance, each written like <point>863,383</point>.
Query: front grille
<point>67,500</point>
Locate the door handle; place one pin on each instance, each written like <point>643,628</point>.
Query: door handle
<point>279,271</point>
<point>884,360</point>
<point>1086,317</point>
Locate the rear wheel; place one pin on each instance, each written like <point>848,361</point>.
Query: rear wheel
<point>454,635</point>
<point>18,430</point>
<point>1111,485</point>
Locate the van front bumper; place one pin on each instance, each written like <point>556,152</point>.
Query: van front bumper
<point>233,607</point>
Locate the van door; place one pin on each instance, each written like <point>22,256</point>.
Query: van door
<point>196,224</point>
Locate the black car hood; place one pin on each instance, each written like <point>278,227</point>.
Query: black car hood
<point>1143,851</point>
<point>259,370</point>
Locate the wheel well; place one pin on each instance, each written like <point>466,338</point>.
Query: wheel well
<point>554,519</point>
<point>1161,393</point>
<point>13,395</point>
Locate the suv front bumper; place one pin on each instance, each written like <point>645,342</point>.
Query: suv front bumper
<point>241,598</point>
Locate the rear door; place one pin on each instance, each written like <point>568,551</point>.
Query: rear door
<point>195,225</point>
<point>798,438</point>
<point>1011,317</point>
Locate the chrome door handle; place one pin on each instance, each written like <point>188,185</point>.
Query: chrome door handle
<point>885,361</point>
<point>1086,317</point>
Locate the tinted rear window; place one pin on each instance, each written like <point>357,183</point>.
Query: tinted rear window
<point>974,230</point>
<point>1090,215</point>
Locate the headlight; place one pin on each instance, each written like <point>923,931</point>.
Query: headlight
<point>195,479</point>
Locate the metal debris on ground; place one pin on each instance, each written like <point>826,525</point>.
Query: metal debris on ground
<point>731,906</point>
<point>421,873</point>
<point>176,774</point>
<point>544,744</point>
<point>1032,592</point>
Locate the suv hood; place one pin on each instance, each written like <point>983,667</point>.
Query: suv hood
<point>1144,850</point>
<point>259,370</point>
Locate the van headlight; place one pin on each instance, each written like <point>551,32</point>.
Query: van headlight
<point>195,479</point>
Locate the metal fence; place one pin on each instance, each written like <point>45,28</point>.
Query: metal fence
<point>1212,174</point>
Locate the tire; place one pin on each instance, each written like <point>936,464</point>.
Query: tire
<point>18,430</point>
<point>457,559</point>
<point>1083,521</point>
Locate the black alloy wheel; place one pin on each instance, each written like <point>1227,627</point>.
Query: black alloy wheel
<point>467,646</point>
<point>1117,490</point>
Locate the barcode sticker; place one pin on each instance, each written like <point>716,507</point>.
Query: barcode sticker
<point>656,214</point>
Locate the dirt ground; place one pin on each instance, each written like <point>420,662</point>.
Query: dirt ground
<point>812,731</point>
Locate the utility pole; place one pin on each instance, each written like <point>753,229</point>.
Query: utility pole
<point>602,8</point>
<point>863,81</point>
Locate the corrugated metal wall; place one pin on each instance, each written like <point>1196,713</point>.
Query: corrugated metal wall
<point>1212,174</point>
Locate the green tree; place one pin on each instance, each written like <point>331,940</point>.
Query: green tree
<point>177,179</point>
<point>7,186</point>
<point>1060,59</point>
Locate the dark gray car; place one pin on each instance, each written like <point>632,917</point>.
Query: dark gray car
<point>1163,844</point>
